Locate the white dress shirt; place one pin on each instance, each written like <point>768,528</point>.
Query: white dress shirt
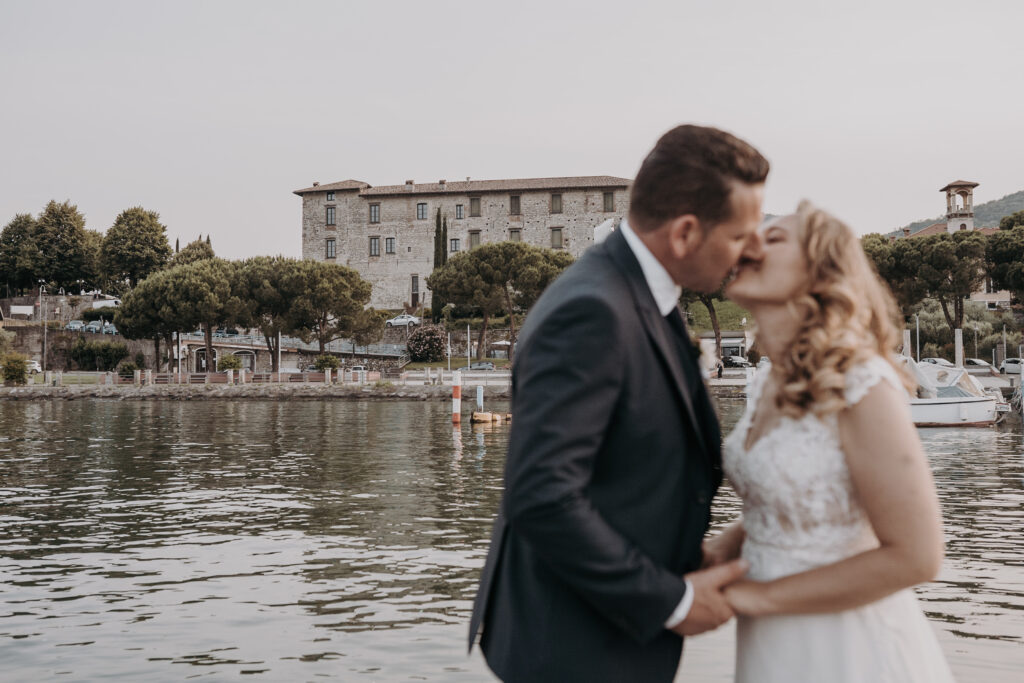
<point>666,296</point>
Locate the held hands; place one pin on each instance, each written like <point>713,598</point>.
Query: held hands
<point>710,608</point>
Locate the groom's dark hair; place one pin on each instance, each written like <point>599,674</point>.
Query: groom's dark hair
<point>691,171</point>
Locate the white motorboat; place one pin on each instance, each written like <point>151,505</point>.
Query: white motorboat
<point>950,397</point>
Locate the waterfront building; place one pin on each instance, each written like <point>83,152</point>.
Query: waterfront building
<point>386,233</point>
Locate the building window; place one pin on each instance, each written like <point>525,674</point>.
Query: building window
<point>421,211</point>
<point>513,205</point>
<point>330,248</point>
<point>415,291</point>
<point>375,213</point>
<point>474,239</point>
<point>474,206</point>
<point>609,201</point>
<point>389,245</point>
<point>458,211</point>
<point>515,235</point>
<point>454,244</point>
<point>330,215</point>
<point>374,246</point>
<point>556,203</point>
<point>556,238</point>
<point>330,196</point>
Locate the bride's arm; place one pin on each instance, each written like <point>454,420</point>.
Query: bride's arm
<point>894,484</point>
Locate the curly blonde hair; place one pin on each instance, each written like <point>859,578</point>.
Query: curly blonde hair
<point>847,315</point>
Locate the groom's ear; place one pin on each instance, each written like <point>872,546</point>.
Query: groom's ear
<point>685,234</point>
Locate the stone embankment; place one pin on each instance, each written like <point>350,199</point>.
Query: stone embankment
<point>311,391</point>
<point>200,392</point>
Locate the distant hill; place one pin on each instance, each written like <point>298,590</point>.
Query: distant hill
<point>986,215</point>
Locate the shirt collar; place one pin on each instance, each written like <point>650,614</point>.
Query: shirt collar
<point>663,288</point>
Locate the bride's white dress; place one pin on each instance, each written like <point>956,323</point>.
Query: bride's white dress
<point>800,511</point>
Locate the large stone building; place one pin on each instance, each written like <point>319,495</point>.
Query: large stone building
<point>386,233</point>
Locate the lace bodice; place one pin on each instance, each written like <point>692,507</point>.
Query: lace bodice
<point>799,507</point>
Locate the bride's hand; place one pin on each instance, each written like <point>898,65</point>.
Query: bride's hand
<point>748,598</point>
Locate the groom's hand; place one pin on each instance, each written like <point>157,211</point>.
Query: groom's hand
<point>710,608</point>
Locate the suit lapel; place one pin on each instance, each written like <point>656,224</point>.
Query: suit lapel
<point>654,325</point>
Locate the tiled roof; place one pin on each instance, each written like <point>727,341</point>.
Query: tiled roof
<point>959,183</point>
<point>342,186</point>
<point>940,228</point>
<point>933,229</point>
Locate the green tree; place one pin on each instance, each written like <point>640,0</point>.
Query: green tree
<point>498,277</point>
<point>19,253</point>
<point>708,299</point>
<point>1014,220</point>
<point>147,312</point>
<point>64,256</point>
<point>193,251</point>
<point>92,271</point>
<point>897,263</point>
<point>200,294</point>
<point>229,362</point>
<point>135,246</point>
<point>333,305</point>
<point>437,302</point>
<point>1005,260</point>
<point>267,288</point>
<point>951,267</point>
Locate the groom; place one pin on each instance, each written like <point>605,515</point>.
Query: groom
<point>593,571</point>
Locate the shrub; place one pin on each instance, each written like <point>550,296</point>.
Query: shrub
<point>15,369</point>
<point>229,362</point>
<point>140,360</point>
<point>106,313</point>
<point>127,369</point>
<point>427,344</point>
<point>326,361</point>
<point>93,355</point>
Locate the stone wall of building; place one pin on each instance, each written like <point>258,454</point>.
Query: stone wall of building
<point>392,273</point>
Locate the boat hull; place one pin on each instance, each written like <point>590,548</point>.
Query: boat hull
<point>954,412</point>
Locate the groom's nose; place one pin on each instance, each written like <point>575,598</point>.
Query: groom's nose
<point>753,249</point>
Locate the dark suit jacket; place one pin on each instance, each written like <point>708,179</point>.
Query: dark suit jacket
<point>613,460</point>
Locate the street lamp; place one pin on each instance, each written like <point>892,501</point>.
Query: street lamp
<point>917,320</point>
<point>42,316</point>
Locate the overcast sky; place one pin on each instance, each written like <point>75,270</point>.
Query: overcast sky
<point>211,113</point>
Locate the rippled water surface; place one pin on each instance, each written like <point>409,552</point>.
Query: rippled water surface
<point>308,540</point>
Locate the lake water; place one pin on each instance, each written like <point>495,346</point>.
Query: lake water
<point>305,540</point>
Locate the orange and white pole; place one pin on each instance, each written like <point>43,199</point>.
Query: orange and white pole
<point>456,397</point>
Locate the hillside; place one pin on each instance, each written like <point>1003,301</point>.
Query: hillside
<point>986,215</point>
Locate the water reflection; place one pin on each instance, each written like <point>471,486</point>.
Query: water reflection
<point>319,538</point>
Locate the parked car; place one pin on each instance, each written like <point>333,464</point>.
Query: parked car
<point>225,332</point>
<point>109,329</point>
<point>480,365</point>
<point>938,361</point>
<point>95,327</point>
<point>75,325</point>
<point>358,368</point>
<point>1011,366</point>
<point>403,320</point>
<point>33,367</point>
<point>736,362</point>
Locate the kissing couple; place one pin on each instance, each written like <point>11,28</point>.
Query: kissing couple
<point>599,567</point>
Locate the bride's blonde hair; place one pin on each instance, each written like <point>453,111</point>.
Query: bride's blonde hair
<point>847,315</point>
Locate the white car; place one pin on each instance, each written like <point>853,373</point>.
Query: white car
<point>403,320</point>
<point>1011,366</point>
<point>33,367</point>
<point>938,361</point>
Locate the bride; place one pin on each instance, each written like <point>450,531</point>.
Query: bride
<point>840,517</point>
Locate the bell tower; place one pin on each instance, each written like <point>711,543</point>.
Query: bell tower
<point>959,205</point>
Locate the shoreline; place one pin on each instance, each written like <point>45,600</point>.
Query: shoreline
<point>273,392</point>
